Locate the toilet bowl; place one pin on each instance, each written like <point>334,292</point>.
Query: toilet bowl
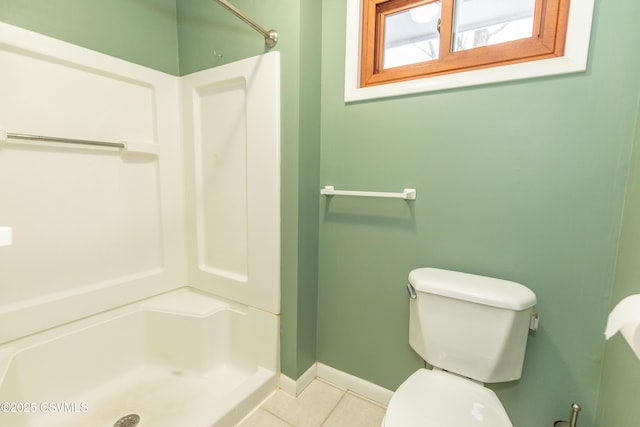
<point>436,398</point>
<point>473,330</point>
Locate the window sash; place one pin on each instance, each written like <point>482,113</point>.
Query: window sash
<point>547,41</point>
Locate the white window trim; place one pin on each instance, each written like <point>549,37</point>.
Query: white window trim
<point>573,61</point>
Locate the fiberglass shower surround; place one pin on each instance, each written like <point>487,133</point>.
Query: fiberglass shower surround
<point>127,184</point>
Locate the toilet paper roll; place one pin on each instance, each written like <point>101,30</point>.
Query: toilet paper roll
<point>625,317</point>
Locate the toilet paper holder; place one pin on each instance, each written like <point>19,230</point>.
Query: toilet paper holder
<point>575,408</point>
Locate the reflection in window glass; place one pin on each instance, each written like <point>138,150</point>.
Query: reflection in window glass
<point>412,36</point>
<point>487,22</point>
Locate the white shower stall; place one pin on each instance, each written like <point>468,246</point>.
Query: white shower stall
<point>140,282</point>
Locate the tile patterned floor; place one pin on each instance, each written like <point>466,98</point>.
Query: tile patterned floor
<point>319,405</point>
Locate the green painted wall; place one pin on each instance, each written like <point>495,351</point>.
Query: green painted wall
<point>140,31</point>
<point>205,27</point>
<point>309,181</point>
<point>523,181</point>
<point>620,386</point>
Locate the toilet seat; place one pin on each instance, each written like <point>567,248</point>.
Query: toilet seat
<point>434,398</point>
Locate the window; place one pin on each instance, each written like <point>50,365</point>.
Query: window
<point>396,47</point>
<point>407,39</point>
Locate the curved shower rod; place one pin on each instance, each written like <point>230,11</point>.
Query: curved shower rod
<point>270,37</point>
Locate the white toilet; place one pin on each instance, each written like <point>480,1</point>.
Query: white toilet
<point>472,330</point>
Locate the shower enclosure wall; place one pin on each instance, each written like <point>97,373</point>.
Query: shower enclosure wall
<point>142,278</point>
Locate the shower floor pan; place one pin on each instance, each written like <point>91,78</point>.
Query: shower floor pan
<point>182,359</point>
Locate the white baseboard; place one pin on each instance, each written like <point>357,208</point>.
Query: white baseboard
<point>352,383</point>
<point>338,378</point>
<point>295,387</point>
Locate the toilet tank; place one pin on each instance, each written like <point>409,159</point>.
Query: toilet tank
<point>472,325</point>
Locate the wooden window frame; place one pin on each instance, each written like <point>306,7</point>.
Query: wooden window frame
<point>547,41</point>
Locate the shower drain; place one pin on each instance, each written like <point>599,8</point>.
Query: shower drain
<point>130,420</point>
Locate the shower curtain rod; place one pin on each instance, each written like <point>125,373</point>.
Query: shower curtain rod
<point>270,37</point>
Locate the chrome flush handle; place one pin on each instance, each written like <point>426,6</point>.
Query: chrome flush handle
<point>412,291</point>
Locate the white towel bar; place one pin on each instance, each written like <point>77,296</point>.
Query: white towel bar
<point>407,193</point>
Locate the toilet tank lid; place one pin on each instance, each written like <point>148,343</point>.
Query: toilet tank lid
<point>470,287</point>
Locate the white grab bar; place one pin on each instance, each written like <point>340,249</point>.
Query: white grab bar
<point>407,193</point>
